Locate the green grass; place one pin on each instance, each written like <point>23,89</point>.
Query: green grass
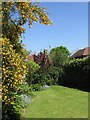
<point>58,102</point>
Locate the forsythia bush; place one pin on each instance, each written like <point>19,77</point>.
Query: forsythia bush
<point>14,16</point>
<point>13,69</point>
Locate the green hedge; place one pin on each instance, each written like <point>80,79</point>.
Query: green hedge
<point>76,73</point>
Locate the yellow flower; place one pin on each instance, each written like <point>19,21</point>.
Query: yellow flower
<point>20,76</point>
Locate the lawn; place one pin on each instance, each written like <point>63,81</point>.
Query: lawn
<point>58,102</point>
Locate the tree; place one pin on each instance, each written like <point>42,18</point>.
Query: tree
<point>42,59</point>
<point>59,56</point>
<point>14,16</point>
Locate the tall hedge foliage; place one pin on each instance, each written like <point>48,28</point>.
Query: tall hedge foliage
<point>76,73</point>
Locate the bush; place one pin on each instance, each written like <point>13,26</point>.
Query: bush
<point>25,89</point>
<point>36,87</point>
<point>13,69</point>
<point>32,68</point>
<point>13,111</point>
<point>76,73</point>
<point>13,61</point>
<point>50,81</point>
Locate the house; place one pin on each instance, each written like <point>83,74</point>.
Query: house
<point>82,53</point>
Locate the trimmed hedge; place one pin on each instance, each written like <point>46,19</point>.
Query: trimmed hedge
<point>76,73</point>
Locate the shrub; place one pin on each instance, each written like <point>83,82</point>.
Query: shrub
<point>76,73</point>
<point>13,111</point>
<point>39,77</point>
<point>13,62</point>
<point>32,68</point>
<point>13,70</point>
<point>36,87</point>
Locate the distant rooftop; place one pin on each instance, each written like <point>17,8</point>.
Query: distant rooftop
<point>82,53</point>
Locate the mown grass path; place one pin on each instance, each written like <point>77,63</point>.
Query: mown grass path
<point>58,102</point>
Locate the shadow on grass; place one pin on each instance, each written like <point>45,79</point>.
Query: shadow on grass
<point>86,89</point>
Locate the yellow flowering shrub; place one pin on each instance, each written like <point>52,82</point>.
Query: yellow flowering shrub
<point>14,16</point>
<point>13,69</point>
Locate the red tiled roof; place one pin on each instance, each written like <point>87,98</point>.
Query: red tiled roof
<point>31,57</point>
<point>82,53</point>
<point>86,51</point>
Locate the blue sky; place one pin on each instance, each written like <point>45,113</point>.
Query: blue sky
<point>69,28</point>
